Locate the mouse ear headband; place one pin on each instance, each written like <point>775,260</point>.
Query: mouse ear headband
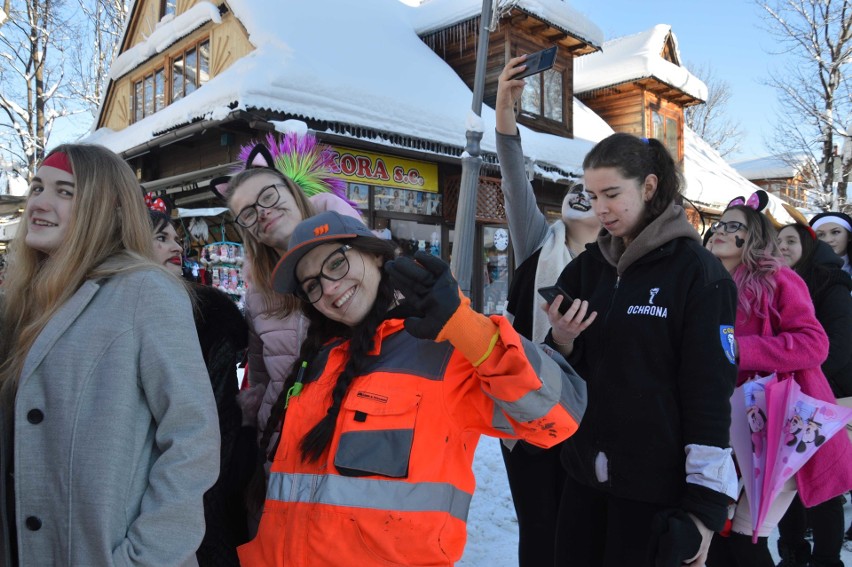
<point>157,204</point>
<point>301,158</point>
<point>757,201</point>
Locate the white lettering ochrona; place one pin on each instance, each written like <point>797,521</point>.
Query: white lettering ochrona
<point>653,310</point>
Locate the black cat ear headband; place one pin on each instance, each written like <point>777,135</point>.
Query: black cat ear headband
<point>300,157</point>
<point>259,157</point>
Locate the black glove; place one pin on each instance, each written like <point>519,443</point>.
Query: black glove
<point>429,289</point>
<point>674,538</point>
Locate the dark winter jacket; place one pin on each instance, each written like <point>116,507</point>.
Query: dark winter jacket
<point>521,300</point>
<point>222,334</point>
<point>659,369</point>
<point>829,287</point>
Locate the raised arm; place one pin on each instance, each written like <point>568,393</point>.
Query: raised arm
<point>523,390</point>
<point>527,224</point>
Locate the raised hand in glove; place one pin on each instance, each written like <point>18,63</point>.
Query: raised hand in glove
<point>444,313</point>
<point>429,289</point>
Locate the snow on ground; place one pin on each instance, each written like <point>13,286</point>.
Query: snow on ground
<point>492,528</point>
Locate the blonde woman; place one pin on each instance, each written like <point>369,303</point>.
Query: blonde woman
<point>268,199</point>
<point>108,429</point>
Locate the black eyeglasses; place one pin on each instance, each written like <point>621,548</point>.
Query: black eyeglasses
<point>334,268</point>
<point>730,227</point>
<point>266,199</point>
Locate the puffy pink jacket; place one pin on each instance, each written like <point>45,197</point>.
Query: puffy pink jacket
<point>274,342</point>
<point>789,340</point>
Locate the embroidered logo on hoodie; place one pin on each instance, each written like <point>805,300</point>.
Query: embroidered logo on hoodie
<point>650,309</point>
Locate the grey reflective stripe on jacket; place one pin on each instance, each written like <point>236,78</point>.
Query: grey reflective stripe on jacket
<point>368,493</point>
<point>550,367</point>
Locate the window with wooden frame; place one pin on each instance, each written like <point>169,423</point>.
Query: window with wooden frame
<point>665,128</point>
<point>185,72</point>
<point>167,7</point>
<point>190,69</point>
<point>149,94</point>
<point>543,95</point>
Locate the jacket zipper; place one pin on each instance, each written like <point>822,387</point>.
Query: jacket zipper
<point>600,361</point>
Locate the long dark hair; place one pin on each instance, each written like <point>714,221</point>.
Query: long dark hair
<point>816,276</point>
<point>636,158</point>
<point>321,331</point>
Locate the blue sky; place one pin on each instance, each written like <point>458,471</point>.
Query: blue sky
<point>728,35</point>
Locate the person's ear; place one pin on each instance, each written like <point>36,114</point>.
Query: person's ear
<point>649,187</point>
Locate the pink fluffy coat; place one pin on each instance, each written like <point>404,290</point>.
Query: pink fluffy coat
<point>787,338</point>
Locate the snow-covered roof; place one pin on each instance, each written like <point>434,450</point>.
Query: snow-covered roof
<point>438,14</point>
<point>710,180</point>
<point>635,57</point>
<point>713,183</point>
<point>769,167</point>
<point>406,89</point>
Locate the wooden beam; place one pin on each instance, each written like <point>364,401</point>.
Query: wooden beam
<point>536,29</point>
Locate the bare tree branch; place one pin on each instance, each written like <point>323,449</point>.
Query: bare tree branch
<point>816,101</point>
<point>710,120</point>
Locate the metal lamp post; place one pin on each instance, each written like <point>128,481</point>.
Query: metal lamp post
<point>462,259</point>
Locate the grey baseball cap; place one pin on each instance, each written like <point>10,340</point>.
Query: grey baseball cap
<point>308,234</point>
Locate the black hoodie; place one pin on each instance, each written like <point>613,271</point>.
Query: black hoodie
<point>830,287</point>
<point>657,363</point>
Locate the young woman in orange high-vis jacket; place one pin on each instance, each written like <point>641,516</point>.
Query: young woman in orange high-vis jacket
<point>374,461</point>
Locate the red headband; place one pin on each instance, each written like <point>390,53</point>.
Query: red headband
<point>59,160</point>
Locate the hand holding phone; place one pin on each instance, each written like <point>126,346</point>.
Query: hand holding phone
<point>538,62</point>
<point>550,293</point>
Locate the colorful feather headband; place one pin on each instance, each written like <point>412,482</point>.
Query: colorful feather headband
<point>301,158</point>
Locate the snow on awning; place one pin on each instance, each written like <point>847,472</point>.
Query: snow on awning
<point>168,31</point>
<point>438,14</point>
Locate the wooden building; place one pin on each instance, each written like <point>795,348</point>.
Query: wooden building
<point>196,80</point>
<point>638,85</point>
<point>783,176</point>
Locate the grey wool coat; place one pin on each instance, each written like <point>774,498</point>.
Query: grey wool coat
<point>116,437</point>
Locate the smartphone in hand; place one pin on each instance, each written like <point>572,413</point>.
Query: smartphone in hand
<point>538,62</point>
<point>550,293</point>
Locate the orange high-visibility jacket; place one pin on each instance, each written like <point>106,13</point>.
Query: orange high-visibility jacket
<point>395,485</point>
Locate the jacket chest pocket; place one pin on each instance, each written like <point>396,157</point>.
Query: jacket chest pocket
<point>376,433</point>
